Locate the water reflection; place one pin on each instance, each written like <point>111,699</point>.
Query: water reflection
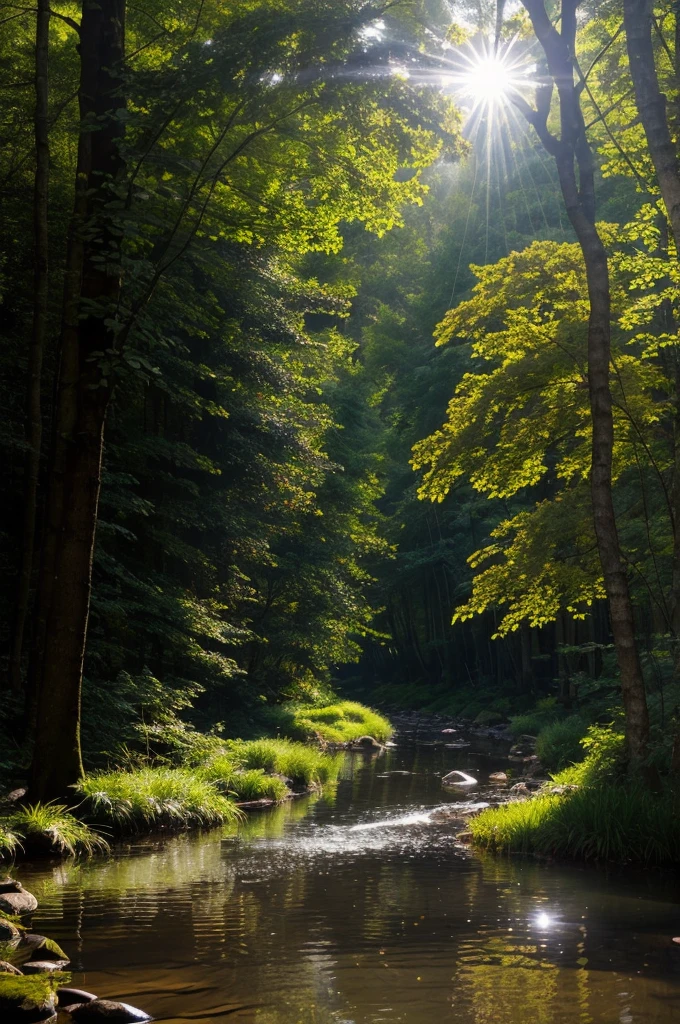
<point>359,907</point>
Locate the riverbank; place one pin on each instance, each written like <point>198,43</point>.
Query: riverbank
<point>570,794</point>
<point>217,782</point>
<point>269,923</point>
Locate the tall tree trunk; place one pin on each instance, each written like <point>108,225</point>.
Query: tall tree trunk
<point>654,115</point>
<point>573,156</point>
<point>651,104</point>
<point>38,336</point>
<point>91,295</point>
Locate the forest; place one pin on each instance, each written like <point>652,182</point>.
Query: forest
<point>340,509</point>
<point>339,364</point>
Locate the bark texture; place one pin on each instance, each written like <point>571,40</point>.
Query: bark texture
<point>38,338</point>
<point>574,162</point>
<point>651,104</point>
<point>92,290</point>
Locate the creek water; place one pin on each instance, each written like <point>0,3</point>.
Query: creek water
<point>357,907</point>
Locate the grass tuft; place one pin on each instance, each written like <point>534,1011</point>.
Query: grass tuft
<point>303,764</point>
<point>226,773</point>
<point>54,828</point>
<point>10,842</point>
<point>559,744</point>
<point>340,723</point>
<point>155,797</point>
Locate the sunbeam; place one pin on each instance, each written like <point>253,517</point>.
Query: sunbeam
<point>488,74</point>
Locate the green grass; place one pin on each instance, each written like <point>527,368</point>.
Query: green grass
<point>303,764</point>
<point>10,842</point>
<point>559,744</point>
<point>621,823</point>
<point>155,797</point>
<point>252,784</point>
<point>532,722</point>
<point>54,828</point>
<point>339,723</point>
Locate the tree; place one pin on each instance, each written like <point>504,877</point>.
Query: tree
<point>275,147</point>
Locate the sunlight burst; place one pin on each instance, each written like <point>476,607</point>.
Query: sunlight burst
<point>488,75</point>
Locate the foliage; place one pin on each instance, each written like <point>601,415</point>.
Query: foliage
<point>151,798</point>
<point>604,755</point>
<point>52,827</point>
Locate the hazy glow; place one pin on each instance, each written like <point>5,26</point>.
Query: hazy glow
<point>544,920</point>
<point>373,31</point>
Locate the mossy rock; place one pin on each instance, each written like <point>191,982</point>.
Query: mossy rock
<point>10,935</point>
<point>39,947</point>
<point>27,1000</point>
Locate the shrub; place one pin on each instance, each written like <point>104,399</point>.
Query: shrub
<point>53,827</point>
<point>559,744</point>
<point>154,797</point>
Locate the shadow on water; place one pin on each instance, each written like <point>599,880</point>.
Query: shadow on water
<point>358,907</point>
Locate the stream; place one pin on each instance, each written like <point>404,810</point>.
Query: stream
<point>356,907</point>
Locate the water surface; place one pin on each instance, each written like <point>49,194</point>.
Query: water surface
<point>358,908</point>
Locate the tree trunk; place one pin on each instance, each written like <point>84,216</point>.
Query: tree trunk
<point>38,336</point>
<point>651,104</point>
<point>572,154</point>
<point>92,291</point>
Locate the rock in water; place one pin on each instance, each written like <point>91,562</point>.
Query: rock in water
<point>45,966</point>
<point>42,948</point>
<point>18,902</point>
<point>458,778</point>
<point>9,935</point>
<point>106,1011</point>
<point>73,996</point>
<point>10,885</point>
<point>498,777</point>
<point>6,968</point>
<point>367,742</point>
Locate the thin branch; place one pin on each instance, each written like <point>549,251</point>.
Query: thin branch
<point>602,52</point>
